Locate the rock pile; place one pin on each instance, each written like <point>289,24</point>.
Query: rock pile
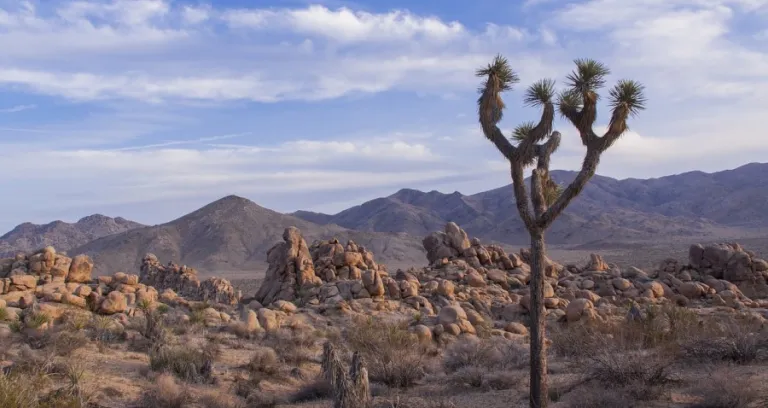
<point>184,282</point>
<point>469,286</point>
<point>47,278</point>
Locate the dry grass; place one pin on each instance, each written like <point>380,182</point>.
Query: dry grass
<point>189,364</point>
<point>221,400</point>
<point>167,393</point>
<point>394,356</point>
<point>492,354</point>
<point>727,389</point>
<point>663,326</point>
<point>741,343</point>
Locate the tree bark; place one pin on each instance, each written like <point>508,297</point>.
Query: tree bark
<point>539,392</point>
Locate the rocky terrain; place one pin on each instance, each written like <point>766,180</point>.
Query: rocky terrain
<point>452,333</point>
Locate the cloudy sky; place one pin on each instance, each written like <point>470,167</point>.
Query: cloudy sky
<point>149,109</point>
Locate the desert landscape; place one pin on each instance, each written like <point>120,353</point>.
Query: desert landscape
<point>315,205</point>
<point>296,323</point>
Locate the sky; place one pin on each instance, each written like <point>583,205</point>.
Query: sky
<point>150,109</point>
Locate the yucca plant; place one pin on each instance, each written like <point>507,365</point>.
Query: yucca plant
<point>533,143</point>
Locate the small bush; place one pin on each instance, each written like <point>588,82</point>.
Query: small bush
<point>105,329</point>
<point>661,326</point>
<point>64,342</point>
<point>492,354</point>
<point>190,364</point>
<point>219,400</point>
<point>258,399</point>
<point>264,361</point>
<point>416,402</point>
<point>313,391</point>
<point>294,347</point>
<point>586,397</point>
<point>36,320</point>
<point>17,391</point>
<point>735,342</point>
<point>197,317</point>
<point>643,377</point>
<point>394,355</point>
<point>726,390</point>
<point>4,314</point>
<point>167,393</point>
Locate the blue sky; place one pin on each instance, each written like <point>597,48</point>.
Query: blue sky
<point>149,109</point>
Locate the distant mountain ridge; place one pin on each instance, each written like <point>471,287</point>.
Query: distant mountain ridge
<point>688,204</point>
<point>64,236</point>
<point>233,234</point>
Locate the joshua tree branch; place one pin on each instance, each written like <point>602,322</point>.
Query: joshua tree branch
<point>588,168</point>
<point>544,154</point>
<point>503,145</point>
<point>521,196</point>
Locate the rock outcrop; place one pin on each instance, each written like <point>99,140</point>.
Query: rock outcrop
<point>183,281</point>
<point>469,287</point>
<point>48,266</point>
<point>290,269</point>
<point>47,278</point>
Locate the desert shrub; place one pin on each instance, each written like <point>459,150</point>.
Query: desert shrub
<point>64,342</point>
<point>241,330</point>
<point>4,314</point>
<point>220,400</point>
<point>36,320</point>
<point>726,389</point>
<point>167,393</point>
<point>264,361</point>
<point>642,376</point>
<point>74,393</point>
<point>190,364</point>
<point>315,390</point>
<point>588,397</point>
<point>734,342</point>
<point>294,347</point>
<point>15,326</point>
<point>259,399</point>
<point>661,326</point>
<point>154,329</point>
<point>415,402</point>
<point>17,391</point>
<point>105,329</point>
<point>492,354</point>
<point>394,355</point>
<point>76,321</point>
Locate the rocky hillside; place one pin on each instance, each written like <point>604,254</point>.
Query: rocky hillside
<point>28,237</point>
<point>694,204</point>
<point>232,234</point>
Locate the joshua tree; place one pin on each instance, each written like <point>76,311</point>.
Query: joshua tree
<point>534,143</point>
<point>350,390</point>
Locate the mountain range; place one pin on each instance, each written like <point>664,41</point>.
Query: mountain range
<point>232,234</point>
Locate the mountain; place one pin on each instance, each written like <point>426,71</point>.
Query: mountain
<point>232,235</point>
<point>28,237</point>
<point>693,204</point>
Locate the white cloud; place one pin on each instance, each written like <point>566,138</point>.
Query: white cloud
<point>346,25</point>
<point>196,15</point>
<point>17,108</point>
<point>153,51</point>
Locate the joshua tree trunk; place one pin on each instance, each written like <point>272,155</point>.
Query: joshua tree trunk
<point>539,385</point>
<point>578,105</point>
